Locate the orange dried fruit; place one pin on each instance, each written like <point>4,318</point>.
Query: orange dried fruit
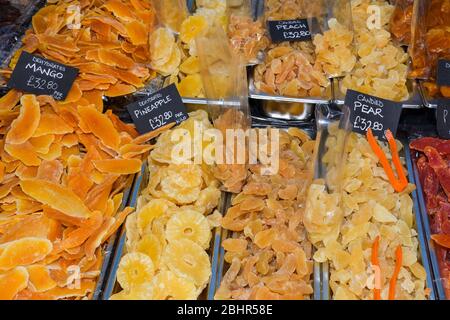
<point>12,282</point>
<point>40,279</point>
<point>100,125</point>
<point>57,197</point>
<point>9,101</point>
<point>42,144</point>
<point>118,166</point>
<point>119,89</point>
<point>26,124</point>
<point>120,9</point>
<point>135,269</point>
<point>23,252</point>
<point>115,58</point>
<point>51,123</point>
<point>23,152</point>
<point>137,32</point>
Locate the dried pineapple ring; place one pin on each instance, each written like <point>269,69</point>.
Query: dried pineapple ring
<point>187,259</point>
<point>135,270</point>
<point>156,208</point>
<point>150,245</point>
<point>192,27</point>
<point>167,285</point>
<point>182,183</point>
<point>189,224</point>
<point>162,44</point>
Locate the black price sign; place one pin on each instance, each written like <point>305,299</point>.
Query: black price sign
<point>289,30</point>
<point>443,73</point>
<point>34,74</point>
<point>157,110</point>
<point>367,111</point>
<point>443,118</point>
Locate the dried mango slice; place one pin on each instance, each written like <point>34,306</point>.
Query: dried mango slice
<point>52,124</point>
<point>24,152</point>
<point>42,144</point>
<point>101,126</point>
<point>57,197</point>
<point>12,282</point>
<point>137,32</point>
<point>9,100</point>
<point>120,10</point>
<point>118,166</point>
<point>115,58</point>
<point>23,252</point>
<point>40,279</point>
<point>120,89</point>
<point>26,124</point>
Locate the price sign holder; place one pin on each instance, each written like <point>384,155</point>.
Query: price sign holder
<point>443,73</point>
<point>443,118</point>
<point>158,109</point>
<point>368,111</point>
<point>289,30</point>
<point>34,74</point>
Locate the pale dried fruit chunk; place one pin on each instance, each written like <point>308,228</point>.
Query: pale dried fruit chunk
<point>150,245</point>
<point>154,209</point>
<point>192,27</point>
<point>187,259</point>
<point>135,270</point>
<point>189,224</point>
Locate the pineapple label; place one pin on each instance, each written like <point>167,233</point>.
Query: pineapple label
<point>368,111</point>
<point>289,30</point>
<point>443,73</point>
<point>443,118</point>
<point>158,110</point>
<point>36,75</point>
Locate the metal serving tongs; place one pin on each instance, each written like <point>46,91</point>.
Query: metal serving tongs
<point>326,117</point>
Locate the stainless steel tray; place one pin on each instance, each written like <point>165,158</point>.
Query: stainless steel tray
<point>222,266</point>
<point>111,286</point>
<point>415,100</point>
<point>439,289</point>
<point>423,248</point>
<point>109,249</point>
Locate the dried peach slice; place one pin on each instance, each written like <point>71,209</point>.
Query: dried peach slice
<point>23,252</point>
<point>40,279</point>
<point>13,282</point>
<point>100,125</point>
<point>57,197</point>
<point>26,124</point>
<point>118,166</point>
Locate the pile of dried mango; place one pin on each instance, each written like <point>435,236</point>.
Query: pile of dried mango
<point>366,233</point>
<point>168,234</point>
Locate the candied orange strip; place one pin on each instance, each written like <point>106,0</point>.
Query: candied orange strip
<point>118,166</point>
<point>402,182</point>
<point>57,197</point>
<point>26,124</point>
<point>376,265</point>
<point>398,266</point>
